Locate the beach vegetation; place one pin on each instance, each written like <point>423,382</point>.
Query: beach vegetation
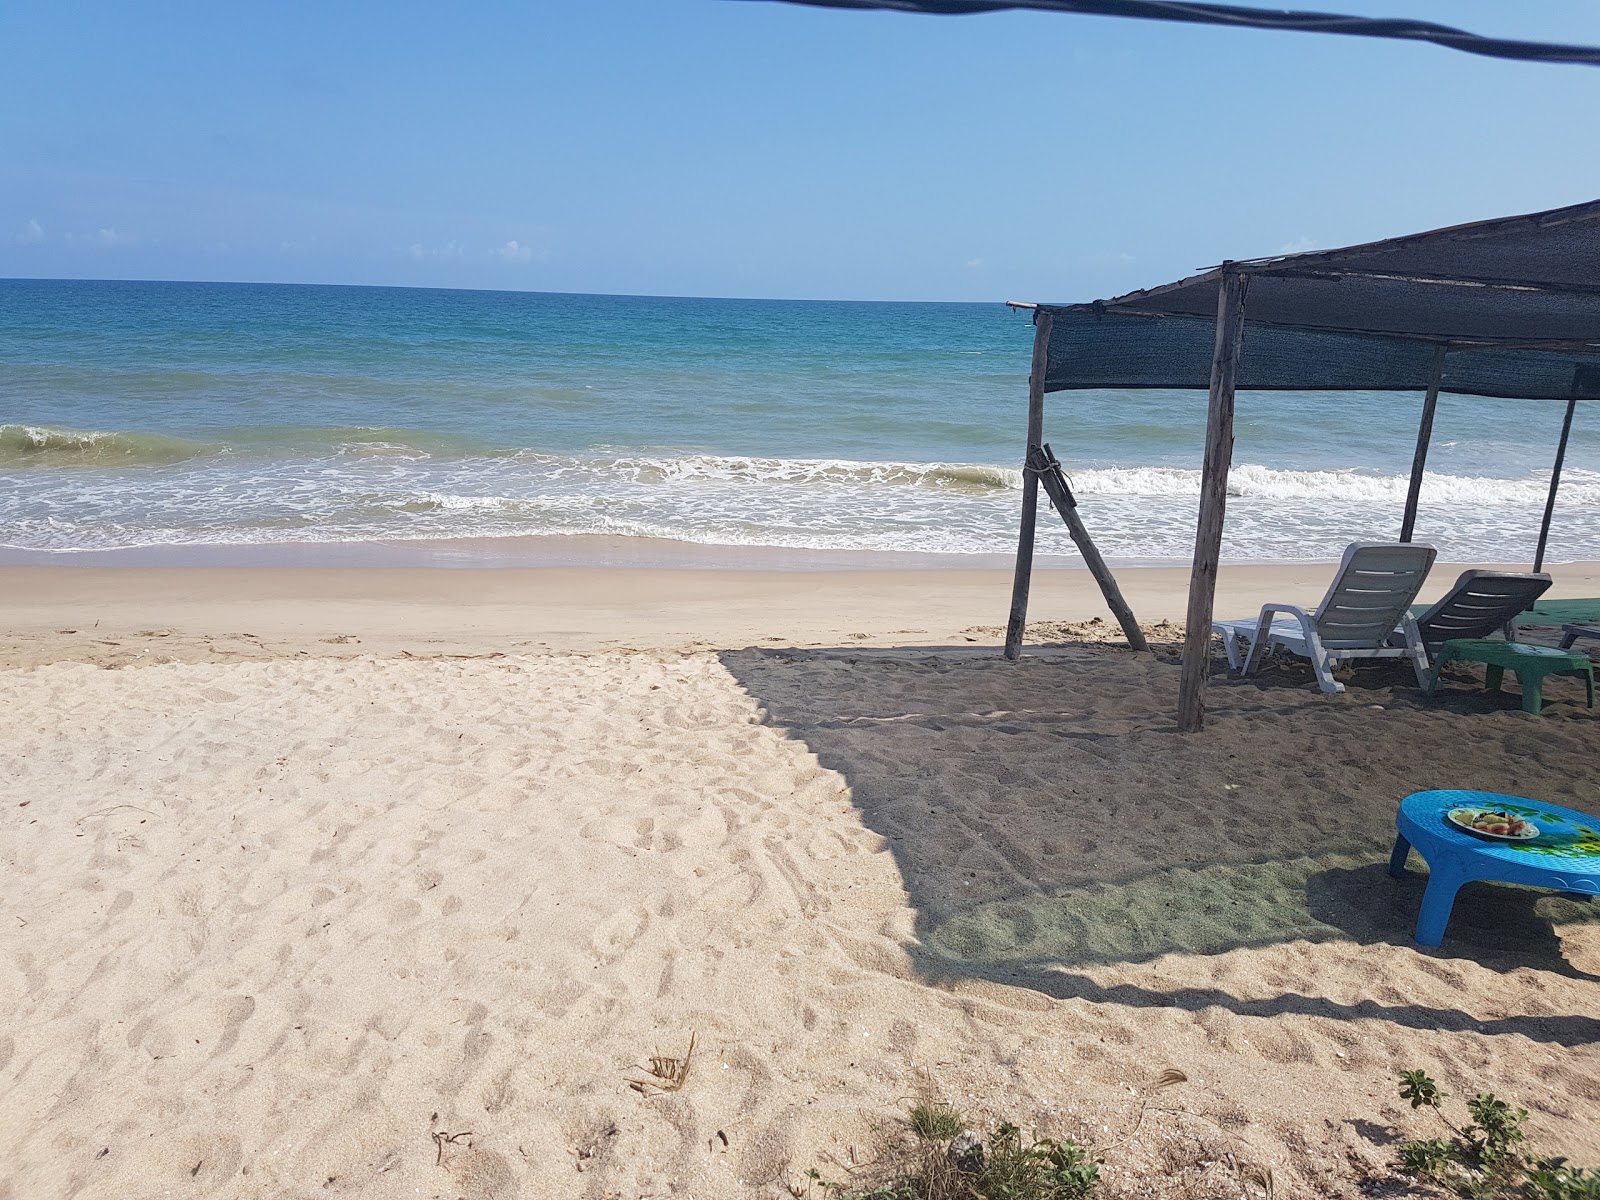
<point>935,1156</point>
<point>1483,1159</point>
<point>935,1122</point>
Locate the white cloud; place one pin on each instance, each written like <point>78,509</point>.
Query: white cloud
<point>104,236</point>
<point>1300,245</point>
<point>1107,258</point>
<point>451,249</point>
<point>974,264</point>
<point>514,251</point>
<point>32,234</point>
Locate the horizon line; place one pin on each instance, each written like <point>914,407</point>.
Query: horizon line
<point>411,287</point>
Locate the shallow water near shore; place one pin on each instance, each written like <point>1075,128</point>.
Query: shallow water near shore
<point>173,415</point>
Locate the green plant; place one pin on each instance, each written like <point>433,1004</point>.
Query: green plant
<point>1426,1158</point>
<point>1552,1179</point>
<point>935,1122</point>
<point>1416,1087</point>
<point>1482,1160</point>
<point>1004,1166</point>
<point>1498,1128</point>
<point>1045,1169</point>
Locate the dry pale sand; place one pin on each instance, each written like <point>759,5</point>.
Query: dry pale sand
<point>285,916</point>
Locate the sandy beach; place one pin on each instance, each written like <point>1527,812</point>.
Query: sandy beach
<point>383,881</point>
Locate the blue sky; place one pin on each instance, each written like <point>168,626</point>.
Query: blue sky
<point>722,147</point>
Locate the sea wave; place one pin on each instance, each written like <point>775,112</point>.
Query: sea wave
<point>269,484</point>
<point>1252,481</point>
<point>290,450</point>
<point>714,468</point>
<point>44,446</point>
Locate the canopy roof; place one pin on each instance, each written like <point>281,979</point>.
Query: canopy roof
<point>1513,304</point>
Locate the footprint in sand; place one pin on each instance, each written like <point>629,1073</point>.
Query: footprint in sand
<point>234,1012</point>
<point>619,931</point>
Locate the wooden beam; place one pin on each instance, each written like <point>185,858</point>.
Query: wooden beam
<point>1424,437</point>
<point>1555,483</point>
<point>1213,499</point>
<point>1017,623</point>
<point>1042,462</point>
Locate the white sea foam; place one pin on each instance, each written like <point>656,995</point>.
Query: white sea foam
<point>392,489</point>
<point>731,469</point>
<point>1265,483</point>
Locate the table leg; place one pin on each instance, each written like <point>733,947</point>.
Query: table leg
<point>1397,860</point>
<point>1532,691</point>
<point>1588,678</point>
<point>1493,675</point>
<point>1437,902</point>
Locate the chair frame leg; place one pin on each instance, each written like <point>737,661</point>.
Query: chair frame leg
<point>1230,647</point>
<point>1322,662</point>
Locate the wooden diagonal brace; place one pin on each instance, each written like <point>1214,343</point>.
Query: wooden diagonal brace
<point>1043,463</point>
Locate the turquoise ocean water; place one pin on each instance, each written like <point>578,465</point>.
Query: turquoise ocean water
<point>176,414</point>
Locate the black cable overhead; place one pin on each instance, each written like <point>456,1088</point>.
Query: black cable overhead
<point>1252,18</point>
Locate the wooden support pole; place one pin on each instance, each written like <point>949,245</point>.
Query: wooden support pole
<point>1213,500</point>
<point>1042,462</point>
<point>1424,436</point>
<point>1018,621</point>
<point>1555,482</point>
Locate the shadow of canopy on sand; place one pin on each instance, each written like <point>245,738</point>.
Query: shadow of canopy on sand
<point>1046,822</point>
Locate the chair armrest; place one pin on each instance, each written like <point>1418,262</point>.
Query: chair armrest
<point>1294,610</point>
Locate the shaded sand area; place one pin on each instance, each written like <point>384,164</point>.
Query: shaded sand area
<point>284,916</point>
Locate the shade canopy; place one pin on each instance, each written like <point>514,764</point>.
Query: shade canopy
<point>1513,303</point>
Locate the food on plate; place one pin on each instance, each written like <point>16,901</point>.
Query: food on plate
<point>1494,822</point>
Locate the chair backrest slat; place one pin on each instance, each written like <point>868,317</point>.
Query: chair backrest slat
<point>1480,603</point>
<point>1375,585</point>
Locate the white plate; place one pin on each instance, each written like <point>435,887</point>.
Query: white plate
<point>1462,818</point>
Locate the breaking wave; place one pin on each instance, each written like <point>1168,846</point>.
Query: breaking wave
<point>1265,483</point>
<point>272,484</point>
<point>712,468</point>
<point>41,446</point>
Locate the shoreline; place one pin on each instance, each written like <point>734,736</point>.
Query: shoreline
<point>591,551</point>
<point>49,612</point>
<point>511,553</point>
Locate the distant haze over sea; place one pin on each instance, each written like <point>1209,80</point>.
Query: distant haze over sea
<point>180,414</point>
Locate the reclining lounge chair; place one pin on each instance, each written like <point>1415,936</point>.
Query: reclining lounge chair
<point>1370,598</point>
<point>1480,604</point>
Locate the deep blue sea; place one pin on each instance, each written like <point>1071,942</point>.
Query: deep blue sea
<point>184,414</point>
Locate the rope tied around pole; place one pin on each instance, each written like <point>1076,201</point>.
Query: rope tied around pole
<point>1042,462</point>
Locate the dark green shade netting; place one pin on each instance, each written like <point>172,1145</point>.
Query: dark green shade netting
<point>1514,303</point>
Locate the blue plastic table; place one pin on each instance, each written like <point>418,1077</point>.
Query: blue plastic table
<point>1565,856</point>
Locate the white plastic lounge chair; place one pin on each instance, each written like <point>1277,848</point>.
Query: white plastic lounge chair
<point>1571,633</point>
<point>1479,604</point>
<point>1369,599</point>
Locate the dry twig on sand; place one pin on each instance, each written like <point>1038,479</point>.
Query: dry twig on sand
<point>666,1074</point>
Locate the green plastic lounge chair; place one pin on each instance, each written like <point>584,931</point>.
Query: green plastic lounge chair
<point>1480,603</point>
<point>1370,596</point>
<point>1577,610</point>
